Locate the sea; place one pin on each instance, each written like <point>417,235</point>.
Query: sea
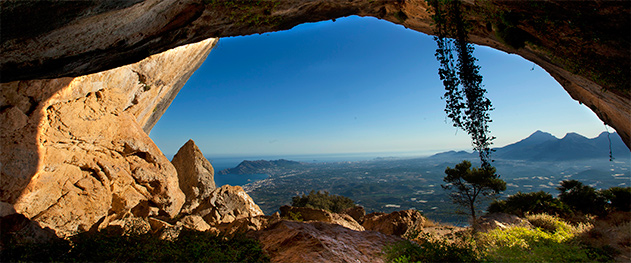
<point>225,162</point>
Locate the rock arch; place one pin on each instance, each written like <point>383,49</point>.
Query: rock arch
<point>97,35</point>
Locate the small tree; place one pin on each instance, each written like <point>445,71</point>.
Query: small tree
<point>469,184</point>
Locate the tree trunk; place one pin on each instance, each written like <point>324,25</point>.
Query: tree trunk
<point>472,206</point>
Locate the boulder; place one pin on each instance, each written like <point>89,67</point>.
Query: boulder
<point>194,222</point>
<point>132,225</point>
<point>396,223</point>
<point>226,204</point>
<point>291,241</point>
<point>312,214</point>
<point>356,212</point>
<point>248,224</point>
<point>168,231</point>
<point>492,221</point>
<point>195,174</point>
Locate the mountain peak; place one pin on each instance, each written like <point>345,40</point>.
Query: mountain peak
<point>573,136</point>
<point>540,133</point>
<point>539,136</point>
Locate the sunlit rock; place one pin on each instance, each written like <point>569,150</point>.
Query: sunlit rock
<point>396,223</point>
<point>195,174</point>
<point>76,151</point>
<point>290,241</point>
<point>227,204</point>
<point>311,214</point>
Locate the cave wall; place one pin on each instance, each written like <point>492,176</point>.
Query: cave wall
<point>75,151</point>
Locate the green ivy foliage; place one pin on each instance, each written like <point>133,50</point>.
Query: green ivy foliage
<point>466,103</point>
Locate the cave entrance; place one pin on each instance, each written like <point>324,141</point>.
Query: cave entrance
<point>355,86</point>
<point>350,90</point>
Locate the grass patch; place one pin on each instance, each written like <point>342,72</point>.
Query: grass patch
<point>552,240</point>
<point>426,248</point>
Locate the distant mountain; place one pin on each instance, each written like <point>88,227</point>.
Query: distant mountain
<point>543,146</point>
<point>254,167</point>
<point>453,155</point>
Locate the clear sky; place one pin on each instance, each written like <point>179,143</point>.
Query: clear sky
<point>353,85</point>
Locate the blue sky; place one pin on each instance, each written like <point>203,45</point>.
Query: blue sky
<point>354,85</point>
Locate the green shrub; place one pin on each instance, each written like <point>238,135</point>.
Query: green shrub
<point>323,200</point>
<point>535,203</point>
<point>575,199</point>
<point>619,198</point>
<point>580,197</point>
<point>295,216</point>
<point>190,246</point>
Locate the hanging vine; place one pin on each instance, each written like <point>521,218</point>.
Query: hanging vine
<point>466,104</point>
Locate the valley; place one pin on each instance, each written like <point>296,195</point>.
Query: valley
<point>391,184</point>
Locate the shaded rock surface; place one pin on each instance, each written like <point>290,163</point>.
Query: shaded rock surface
<point>17,229</point>
<point>290,241</point>
<point>195,174</point>
<point>77,153</point>
<point>311,214</point>
<point>248,224</point>
<point>227,204</point>
<point>396,223</point>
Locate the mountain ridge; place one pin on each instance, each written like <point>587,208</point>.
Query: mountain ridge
<point>543,146</point>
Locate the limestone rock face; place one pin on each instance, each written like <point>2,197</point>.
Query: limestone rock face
<point>311,214</point>
<point>290,241</point>
<point>396,223</point>
<point>227,204</point>
<point>195,174</point>
<point>76,151</point>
